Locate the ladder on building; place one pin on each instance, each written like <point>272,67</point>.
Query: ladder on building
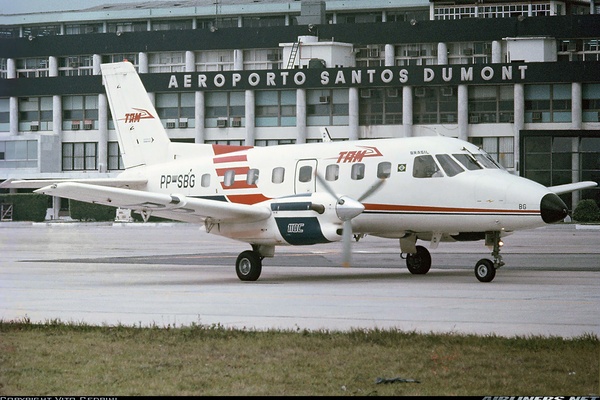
<point>293,53</point>
<point>6,212</point>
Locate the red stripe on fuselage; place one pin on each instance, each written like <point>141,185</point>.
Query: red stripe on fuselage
<point>430,209</point>
<point>238,170</point>
<point>219,149</point>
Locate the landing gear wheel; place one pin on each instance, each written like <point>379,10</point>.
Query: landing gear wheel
<point>420,262</point>
<point>248,266</point>
<point>485,271</point>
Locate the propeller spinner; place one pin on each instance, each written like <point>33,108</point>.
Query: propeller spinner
<point>346,209</point>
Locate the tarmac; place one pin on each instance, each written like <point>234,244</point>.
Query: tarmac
<point>175,274</point>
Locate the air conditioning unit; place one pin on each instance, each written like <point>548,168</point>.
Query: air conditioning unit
<point>468,52</point>
<point>420,91</point>
<point>236,122</point>
<point>75,125</point>
<point>536,116</point>
<point>183,122</point>
<point>374,52</point>
<point>447,91</point>
<point>474,119</point>
<point>87,125</point>
<point>324,99</point>
<point>222,123</point>
<point>35,126</point>
<point>365,93</point>
<point>572,46</point>
<point>273,57</point>
<point>392,92</point>
<point>170,124</point>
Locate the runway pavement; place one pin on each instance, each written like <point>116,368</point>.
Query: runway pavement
<point>177,274</point>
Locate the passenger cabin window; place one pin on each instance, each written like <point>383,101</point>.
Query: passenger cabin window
<point>358,171</point>
<point>305,174</point>
<point>425,167</point>
<point>448,164</point>
<point>332,172</point>
<point>278,175</point>
<point>229,178</point>
<point>205,180</point>
<point>252,176</point>
<point>384,170</point>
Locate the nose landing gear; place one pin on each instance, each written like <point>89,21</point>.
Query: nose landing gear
<point>485,269</point>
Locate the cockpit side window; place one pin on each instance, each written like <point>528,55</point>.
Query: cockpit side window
<point>448,164</point>
<point>468,161</point>
<point>425,167</point>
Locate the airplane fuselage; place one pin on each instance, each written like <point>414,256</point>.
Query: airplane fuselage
<point>432,186</point>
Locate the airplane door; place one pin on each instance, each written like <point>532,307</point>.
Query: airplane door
<point>305,180</point>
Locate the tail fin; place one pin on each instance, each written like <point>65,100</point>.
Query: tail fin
<point>142,138</point>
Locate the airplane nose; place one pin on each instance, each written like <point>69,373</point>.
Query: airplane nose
<point>553,209</point>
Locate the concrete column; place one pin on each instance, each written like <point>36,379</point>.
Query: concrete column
<point>190,61</point>
<point>238,59</point>
<point>300,115</point>
<point>199,114</point>
<point>442,53</point>
<point>463,112</point>
<point>13,108</point>
<point>576,106</point>
<point>57,115</point>
<point>143,63</point>
<point>250,115</point>
<point>576,124</point>
<point>519,121</point>
<point>52,66</point>
<point>102,133</point>
<point>407,110</point>
<point>576,195</point>
<point>389,55</point>
<point>96,61</point>
<point>11,68</point>
<point>353,113</point>
<point>496,52</point>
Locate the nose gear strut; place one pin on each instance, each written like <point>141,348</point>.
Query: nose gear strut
<point>485,269</point>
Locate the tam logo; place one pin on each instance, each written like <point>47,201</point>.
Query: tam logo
<point>136,116</point>
<point>357,155</point>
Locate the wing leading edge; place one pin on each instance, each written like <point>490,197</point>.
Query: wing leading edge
<point>571,187</point>
<point>172,206</point>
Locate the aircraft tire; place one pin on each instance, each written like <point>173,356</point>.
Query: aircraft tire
<point>248,266</point>
<point>485,270</point>
<point>420,262</point>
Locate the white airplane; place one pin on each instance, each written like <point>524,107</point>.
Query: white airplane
<point>418,188</point>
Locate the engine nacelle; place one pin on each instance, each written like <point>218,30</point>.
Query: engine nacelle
<point>304,219</point>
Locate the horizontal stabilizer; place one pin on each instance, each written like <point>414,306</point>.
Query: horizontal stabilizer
<point>39,183</point>
<point>172,206</point>
<point>571,187</point>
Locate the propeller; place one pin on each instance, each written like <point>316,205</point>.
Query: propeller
<point>347,208</point>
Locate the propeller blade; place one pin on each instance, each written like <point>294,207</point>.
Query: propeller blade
<point>347,243</point>
<point>326,185</point>
<point>375,187</point>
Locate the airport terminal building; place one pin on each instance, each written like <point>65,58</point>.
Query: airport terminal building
<point>521,79</point>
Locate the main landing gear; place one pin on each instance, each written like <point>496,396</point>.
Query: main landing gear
<point>248,265</point>
<point>419,262</point>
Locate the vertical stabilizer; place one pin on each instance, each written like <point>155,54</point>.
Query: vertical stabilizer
<point>142,138</point>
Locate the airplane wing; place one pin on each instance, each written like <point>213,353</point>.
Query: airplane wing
<point>571,187</point>
<point>172,206</point>
<point>39,183</point>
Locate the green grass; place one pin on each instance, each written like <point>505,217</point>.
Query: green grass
<point>77,359</point>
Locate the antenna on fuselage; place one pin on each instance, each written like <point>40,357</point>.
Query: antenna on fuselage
<point>325,136</point>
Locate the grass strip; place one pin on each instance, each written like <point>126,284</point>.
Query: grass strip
<point>79,359</point>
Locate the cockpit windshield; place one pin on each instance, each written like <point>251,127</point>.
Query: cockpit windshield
<point>425,166</point>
